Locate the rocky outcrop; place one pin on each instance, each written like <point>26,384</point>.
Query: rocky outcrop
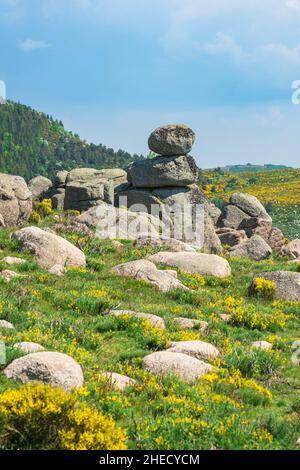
<point>56,369</point>
<point>194,263</point>
<point>176,139</point>
<point>190,323</point>
<point>144,270</point>
<point>287,284</point>
<point>49,249</point>
<point>28,347</point>
<point>15,200</point>
<point>255,248</point>
<point>40,188</point>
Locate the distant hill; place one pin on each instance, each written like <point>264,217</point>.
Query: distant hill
<point>278,190</point>
<point>252,168</point>
<point>33,143</point>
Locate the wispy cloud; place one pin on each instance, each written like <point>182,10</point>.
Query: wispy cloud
<point>28,45</point>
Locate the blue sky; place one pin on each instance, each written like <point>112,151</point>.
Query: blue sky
<point>113,70</point>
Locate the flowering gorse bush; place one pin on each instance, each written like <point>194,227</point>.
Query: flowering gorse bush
<point>42,417</point>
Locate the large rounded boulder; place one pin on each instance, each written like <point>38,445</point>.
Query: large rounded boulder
<point>171,140</point>
<point>53,368</point>
<point>50,250</point>
<point>15,200</point>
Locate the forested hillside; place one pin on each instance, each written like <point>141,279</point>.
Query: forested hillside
<point>32,143</point>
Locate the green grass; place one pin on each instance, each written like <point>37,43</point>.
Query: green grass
<point>229,410</point>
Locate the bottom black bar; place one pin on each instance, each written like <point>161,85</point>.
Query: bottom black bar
<point>143,459</point>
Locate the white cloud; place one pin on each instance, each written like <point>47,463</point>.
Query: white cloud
<point>293,4</point>
<point>29,45</point>
<point>282,51</point>
<point>223,44</point>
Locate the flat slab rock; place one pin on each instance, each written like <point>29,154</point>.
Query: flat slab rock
<point>197,349</point>
<point>287,284</point>
<point>194,263</point>
<point>118,381</point>
<point>187,368</point>
<point>53,368</point>
<point>144,270</point>
<point>154,320</point>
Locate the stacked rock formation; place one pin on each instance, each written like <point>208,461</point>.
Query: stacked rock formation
<point>169,179</point>
<point>245,218</point>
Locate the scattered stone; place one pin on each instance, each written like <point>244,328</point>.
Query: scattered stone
<point>170,244</point>
<point>194,263</point>
<point>197,349</point>
<point>265,345</point>
<point>292,249</point>
<point>6,324</point>
<point>231,236</point>
<point>8,275</point>
<point>287,284</point>
<point>189,323</point>
<point>40,187</point>
<point>49,249</point>
<point>255,248</point>
<point>187,368</point>
<point>56,369</point>
<point>12,260</point>
<point>144,270</point>
<point>250,205</point>
<point>154,320</point>
<point>15,200</point>
<point>28,347</point>
<point>118,381</point>
<point>117,245</point>
<point>171,140</point>
<point>225,317</point>
<point>162,172</point>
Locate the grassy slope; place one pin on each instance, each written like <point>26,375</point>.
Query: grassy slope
<point>280,189</point>
<point>226,411</point>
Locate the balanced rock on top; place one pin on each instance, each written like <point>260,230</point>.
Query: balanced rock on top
<point>171,140</point>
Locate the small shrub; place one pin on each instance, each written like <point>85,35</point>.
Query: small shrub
<point>264,287</point>
<point>35,218</point>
